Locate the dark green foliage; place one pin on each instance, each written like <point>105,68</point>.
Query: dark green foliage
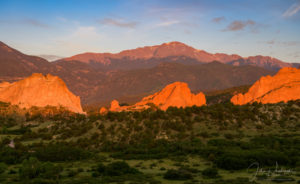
<point>180,174</point>
<point>210,173</point>
<point>60,152</point>
<point>225,136</point>
<point>115,169</point>
<point>2,167</point>
<point>33,168</point>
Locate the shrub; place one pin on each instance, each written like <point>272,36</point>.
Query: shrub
<point>119,168</point>
<point>114,169</point>
<point>210,173</point>
<point>33,168</point>
<point>177,175</point>
<point>2,168</point>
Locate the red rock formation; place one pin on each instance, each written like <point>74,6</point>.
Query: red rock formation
<point>39,90</point>
<point>176,94</point>
<point>284,86</point>
<point>114,105</point>
<point>103,110</point>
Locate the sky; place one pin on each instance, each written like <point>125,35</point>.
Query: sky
<point>69,27</point>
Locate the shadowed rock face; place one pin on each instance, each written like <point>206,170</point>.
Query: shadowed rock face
<point>176,94</point>
<point>283,86</point>
<point>39,90</point>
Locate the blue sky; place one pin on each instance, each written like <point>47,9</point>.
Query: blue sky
<point>69,27</point>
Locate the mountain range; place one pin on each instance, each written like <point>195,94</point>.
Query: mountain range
<point>172,51</point>
<point>132,74</point>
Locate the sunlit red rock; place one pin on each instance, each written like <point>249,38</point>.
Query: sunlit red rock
<point>103,110</point>
<point>39,90</point>
<point>176,94</point>
<point>114,105</point>
<point>284,86</point>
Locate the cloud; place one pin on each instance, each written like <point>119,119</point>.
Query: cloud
<point>62,19</point>
<point>271,42</point>
<point>295,8</point>
<point>283,43</point>
<point>34,22</point>
<point>119,23</point>
<point>218,19</point>
<point>82,38</point>
<point>88,32</point>
<point>167,23</point>
<point>238,25</point>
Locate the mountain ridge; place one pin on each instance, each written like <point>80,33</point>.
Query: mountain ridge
<point>178,49</point>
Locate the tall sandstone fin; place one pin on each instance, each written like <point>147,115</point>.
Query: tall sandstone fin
<point>176,94</point>
<point>283,86</point>
<point>39,90</point>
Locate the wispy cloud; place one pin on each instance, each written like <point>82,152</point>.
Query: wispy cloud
<point>118,23</point>
<point>62,19</point>
<point>284,43</point>
<point>218,19</point>
<point>238,25</point>
<point>167,23</point>
<point>82,38</point>
<point>295,8</point>
<point>34,22</point>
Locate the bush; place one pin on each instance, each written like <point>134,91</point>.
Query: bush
<point>114,169</point>
<point>119,168</point>
<point>33,168</point>
<point>210,173</point>
<point>2,168</point>
<point>177,175</point>
<point>231,162</point>
<point>30,168</point>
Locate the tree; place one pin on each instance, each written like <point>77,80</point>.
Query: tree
<point>30,168</point>
<point>33,168</point>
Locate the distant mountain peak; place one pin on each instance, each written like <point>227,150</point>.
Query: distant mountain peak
<point>179,49</point>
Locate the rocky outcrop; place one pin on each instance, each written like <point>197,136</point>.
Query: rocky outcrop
<point>114,105</point>
<point>103,110</point>
<point>39,90</point>
<point>176,94</point>
<point>283,86</point>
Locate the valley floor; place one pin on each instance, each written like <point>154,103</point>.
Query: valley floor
<point>211,144</point>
